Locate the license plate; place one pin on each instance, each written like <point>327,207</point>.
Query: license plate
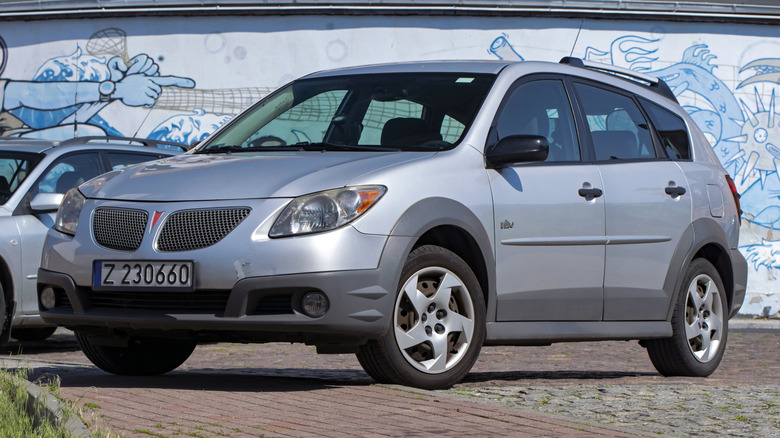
<point>169,275</point>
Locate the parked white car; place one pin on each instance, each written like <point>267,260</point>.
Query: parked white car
<point>34,176</point>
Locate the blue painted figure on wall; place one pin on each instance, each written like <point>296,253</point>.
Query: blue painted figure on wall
<point>66,94</point>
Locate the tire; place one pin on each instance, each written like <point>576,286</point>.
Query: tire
<point>699,326</point>
<point>141,356</point>
<point>437,326</point>
<point>32,334</point>
<point>5,318</point>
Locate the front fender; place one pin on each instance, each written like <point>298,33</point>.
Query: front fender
<point>430,213</point>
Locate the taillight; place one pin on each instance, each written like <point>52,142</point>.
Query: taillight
<point>736,196</point>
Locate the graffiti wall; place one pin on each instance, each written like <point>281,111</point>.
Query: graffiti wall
<point>178,79</point>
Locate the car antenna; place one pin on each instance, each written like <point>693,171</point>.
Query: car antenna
<point>135,134</point>
<point>582,21</point>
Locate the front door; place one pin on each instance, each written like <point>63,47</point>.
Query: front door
<point>549,217</point>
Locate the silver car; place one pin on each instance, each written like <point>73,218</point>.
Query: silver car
<point>412,213</point>
<point>34,176</point>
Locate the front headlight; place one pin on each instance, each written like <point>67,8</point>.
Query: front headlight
<point>68,215</point>
<point>326,210</point>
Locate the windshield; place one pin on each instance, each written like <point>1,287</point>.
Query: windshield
<point>421,112</point>
<point>14,168</point>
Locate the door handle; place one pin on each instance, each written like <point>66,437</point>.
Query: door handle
<point>674,192</point>
<point>590,193</point>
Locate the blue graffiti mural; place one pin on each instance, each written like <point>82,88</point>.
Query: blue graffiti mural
<point>188,128</point>
<point>67,92</point>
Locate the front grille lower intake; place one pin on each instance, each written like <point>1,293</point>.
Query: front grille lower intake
<point>119,228</point>
<point>196,229</point>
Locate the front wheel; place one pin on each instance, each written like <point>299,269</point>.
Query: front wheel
<point>699,326</point>
<point>438,324</point>
<point>140,357</point>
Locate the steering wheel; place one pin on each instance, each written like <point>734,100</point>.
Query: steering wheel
<point>267,141</point>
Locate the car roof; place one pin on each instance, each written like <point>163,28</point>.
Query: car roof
<point>567,65</point>
<point>475,67</point>
<point>16,144</point>
<point>30,145</point>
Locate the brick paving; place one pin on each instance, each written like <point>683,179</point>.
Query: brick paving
<point>288,390</point>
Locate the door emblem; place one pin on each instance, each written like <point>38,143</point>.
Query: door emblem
<point>507,225</point>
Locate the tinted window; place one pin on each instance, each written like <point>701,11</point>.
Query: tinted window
<point>70,171</point>
<point>542,108</point>
<point>671,129</point>
<point>617,127</point>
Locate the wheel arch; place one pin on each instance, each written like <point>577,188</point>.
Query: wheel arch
<point>452,225</point>
<point>9,295</point>
<point>704,238</point>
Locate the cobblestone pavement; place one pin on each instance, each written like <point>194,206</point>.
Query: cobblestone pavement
<point>570,389</point>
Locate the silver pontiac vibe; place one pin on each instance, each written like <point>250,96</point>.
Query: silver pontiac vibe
<point>412,213</point>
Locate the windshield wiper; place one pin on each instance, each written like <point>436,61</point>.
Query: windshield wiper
<point>227,149</point>
<point>324,146</point>
<point>220,149</point>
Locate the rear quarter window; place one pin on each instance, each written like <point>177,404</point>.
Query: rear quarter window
<point>672,130</point>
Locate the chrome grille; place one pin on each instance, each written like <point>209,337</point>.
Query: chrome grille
<point>195,229</point>
<point>119,229</point>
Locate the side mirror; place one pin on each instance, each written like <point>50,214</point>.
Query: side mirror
<point>517,149</point>
<point>46,202</point>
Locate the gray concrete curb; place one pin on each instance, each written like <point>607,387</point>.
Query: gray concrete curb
<point>741,324</point>
<point>43,407</point>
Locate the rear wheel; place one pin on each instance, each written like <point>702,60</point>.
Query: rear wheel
<point>32,334</point>
<point>140,357</point>
<point>699,326</point>
<point>438,324</point>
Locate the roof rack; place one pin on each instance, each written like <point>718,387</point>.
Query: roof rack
<point>109,138</point>
<point>654,83</point>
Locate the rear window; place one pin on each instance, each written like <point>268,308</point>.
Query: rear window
<point>671,129</point>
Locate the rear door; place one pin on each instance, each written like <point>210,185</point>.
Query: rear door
<point>647,199</point>
<point>549,233</point>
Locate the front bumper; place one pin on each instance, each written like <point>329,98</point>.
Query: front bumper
<point>247,287</point>
<point>256,309</point>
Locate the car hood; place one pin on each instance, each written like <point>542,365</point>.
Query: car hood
<point>194,177</point>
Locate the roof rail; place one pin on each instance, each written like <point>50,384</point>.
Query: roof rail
<point>654,83</point>
<point>109,138</point>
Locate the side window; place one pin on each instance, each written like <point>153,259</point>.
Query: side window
<point>119,160</point>
<point>380,112</point>
<point>671,129</point>
<point>617,127</point>
<point>542,108</point>
<point>70,171</point>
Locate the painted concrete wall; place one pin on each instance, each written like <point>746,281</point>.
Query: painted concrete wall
<point>179,78</point>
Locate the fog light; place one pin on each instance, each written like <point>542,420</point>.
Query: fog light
<point>314,304</point>
<point>48,299</point>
